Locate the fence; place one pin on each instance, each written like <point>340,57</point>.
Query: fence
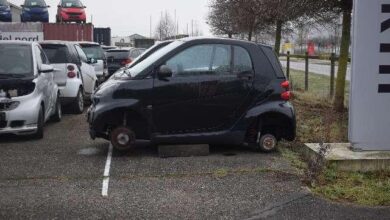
<point>302,78</point>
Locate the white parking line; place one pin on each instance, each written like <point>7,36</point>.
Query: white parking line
<point>106,175</point>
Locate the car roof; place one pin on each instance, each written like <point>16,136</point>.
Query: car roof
<point>88,42</point>
<point>58,42</point>
<point>121,50</point>
<point>222,40</point>
<point>17,42</point>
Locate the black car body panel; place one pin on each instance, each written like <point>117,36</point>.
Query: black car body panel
<point>201,108</point>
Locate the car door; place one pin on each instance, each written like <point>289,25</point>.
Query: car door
<point>176,99</point>
<point>224,92</point>
<point>87,71</point>
<point>47,80</point>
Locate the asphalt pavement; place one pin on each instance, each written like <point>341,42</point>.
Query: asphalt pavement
<point>61,177</point>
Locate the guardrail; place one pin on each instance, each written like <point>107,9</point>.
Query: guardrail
<point>307,58</point>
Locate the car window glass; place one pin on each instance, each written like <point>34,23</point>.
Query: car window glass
<point>242,60</point>
<point>71,4</point>
<point>16,59</point>
<point>192,61</point>
<point>81,53</point>
<point>35,3</point>
<point>56,53</point>
<point>44,58</point>
<point>93,51</point>
<point>221,61</point>
<point>4,3</point>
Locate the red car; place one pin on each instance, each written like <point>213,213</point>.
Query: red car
<point>71,11</point>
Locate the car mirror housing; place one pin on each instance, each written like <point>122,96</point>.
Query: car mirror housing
<point>44,68</point>
<point>164,72</point>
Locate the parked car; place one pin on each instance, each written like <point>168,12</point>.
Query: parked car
<point>74,72</point>
<point>118,58</point>
<point>105,48</point>
<point>197,91</point>
<point>35,11</point>
<point>94,51</point>
<point>5,11</point>
<point>71,11</point>
<point>28,92</point>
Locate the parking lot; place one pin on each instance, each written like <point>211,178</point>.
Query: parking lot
<point>62,176</point>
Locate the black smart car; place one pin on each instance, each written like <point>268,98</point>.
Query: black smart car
<point>197,91</point>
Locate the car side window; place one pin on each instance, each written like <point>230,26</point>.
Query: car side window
<point>205,59</point>
<point>43,56</point>
<point>81,53</point>
<point>242,61</point>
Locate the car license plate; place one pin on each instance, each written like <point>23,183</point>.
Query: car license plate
<point>2,116</point>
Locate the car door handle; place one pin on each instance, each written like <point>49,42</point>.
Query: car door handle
<point>248,75</point>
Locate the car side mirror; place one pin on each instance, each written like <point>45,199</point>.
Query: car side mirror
<point>164,72</point>
<point>58,6</point>
<point>44,68</point>
<point>22,6</point>
<point>48,6</point>
<point>91,61</point>
<point>84,6</point>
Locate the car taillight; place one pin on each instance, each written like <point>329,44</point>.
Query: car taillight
<point>71,74</point>
<point>286,96</point>
<point>285,85</point>
<point>70,68</point>
<point>125,62</point>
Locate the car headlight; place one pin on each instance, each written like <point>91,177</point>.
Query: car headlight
<point>27,9</point>
<point>44,9</point>
<point>8,9</point>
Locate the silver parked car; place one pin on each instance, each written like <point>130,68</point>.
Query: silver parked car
<point>95,51</point>
<point>29,96</point>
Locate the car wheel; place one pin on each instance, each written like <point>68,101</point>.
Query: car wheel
<point>267,143</point>
<point>78,104</point>
<point>58,112</point>
<point>40,124</point>
<point>122,138</point>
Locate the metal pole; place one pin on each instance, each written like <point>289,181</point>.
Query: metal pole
<point>306,71</point>
<point>288,65</point>
<point>332,73</point>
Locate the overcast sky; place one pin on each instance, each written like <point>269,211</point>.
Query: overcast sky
<point>126,17</point>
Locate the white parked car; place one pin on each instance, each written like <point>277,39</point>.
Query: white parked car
<point>29,95</point>
<point>74,71</point>
<point>95,51</point>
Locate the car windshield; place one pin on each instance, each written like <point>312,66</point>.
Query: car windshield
<point>141,66</point>
<point>71,4</point>
<point>35,3</point>
<point>118,54</point>
<point>93,51</point>
<point>145,54</point>
<point>56,53</point>
<point>16,60</point>
<point>4,3</point>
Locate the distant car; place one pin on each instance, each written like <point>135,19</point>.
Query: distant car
<point>105,48</point>
<point>76,76</point>
<point>35,11</point>
<point>5,11</point>
<point>197,91</point>
<point>71,11</point>
<point>29,95</point>
<point>94,51</point>
<point>118,58</point>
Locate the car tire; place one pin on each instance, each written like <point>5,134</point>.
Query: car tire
<point>122,138</point>
<point>40,125</point>
<point>267,143</point>
<point>58,111</point>
<point>78,105</point>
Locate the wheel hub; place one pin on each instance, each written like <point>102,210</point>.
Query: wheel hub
<point>269,143</point>
<point>123,138</point>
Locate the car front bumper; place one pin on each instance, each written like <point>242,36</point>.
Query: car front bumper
<point>5,16</point>
<point>25,130</point>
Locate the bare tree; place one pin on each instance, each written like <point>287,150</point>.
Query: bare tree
<point>221,18</point>
<point>166,27</point>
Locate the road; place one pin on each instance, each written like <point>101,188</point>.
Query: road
<point>61,177</point>
<point>323,69</point>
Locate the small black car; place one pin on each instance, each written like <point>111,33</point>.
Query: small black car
<point>197,91</point>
